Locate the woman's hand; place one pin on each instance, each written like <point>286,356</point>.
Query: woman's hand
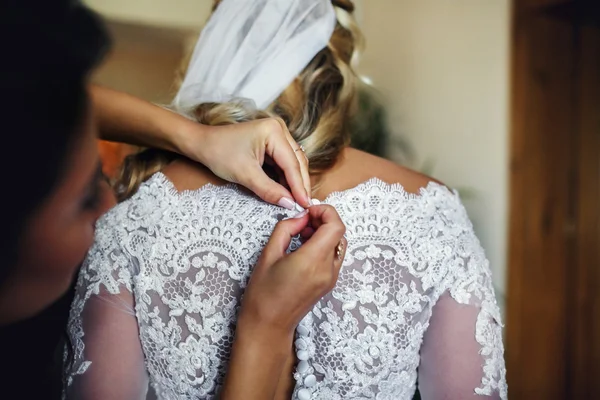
<point>237,153</point>
<point>284,287</point>
<point>282,290</point>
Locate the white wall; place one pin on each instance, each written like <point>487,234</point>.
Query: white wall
<point>170,13</point>
<point>443,68</point>
<point>143,61</point>
<point>150,38</point>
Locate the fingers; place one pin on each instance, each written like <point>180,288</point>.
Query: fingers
<point>329,230</point>
<point>302,162</point>
<point>266,188</point>
<point>324,251</point>
<point>280,147</point>
<point>307,233</point>
<point>281,238</point>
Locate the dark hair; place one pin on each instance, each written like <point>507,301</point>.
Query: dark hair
<point>49,48</point>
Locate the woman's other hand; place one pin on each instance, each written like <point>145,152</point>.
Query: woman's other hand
<point>282,290</point>
<point>237,153</point>
<point>284,287</point>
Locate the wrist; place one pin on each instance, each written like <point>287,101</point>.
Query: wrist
<point>258,356</point>
<point>261,334</point>
<point>190,139</point>
<point>183,134</point>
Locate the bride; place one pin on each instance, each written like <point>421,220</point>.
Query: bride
<point>414,304</point>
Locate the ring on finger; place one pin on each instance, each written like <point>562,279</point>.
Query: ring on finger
<point>339,250</point>
<point>303,150</point>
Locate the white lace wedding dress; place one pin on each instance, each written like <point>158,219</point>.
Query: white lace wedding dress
<point>414,305</point>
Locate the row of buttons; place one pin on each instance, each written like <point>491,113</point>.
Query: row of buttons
<point>310,380</point>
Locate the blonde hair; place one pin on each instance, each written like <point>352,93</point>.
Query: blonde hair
<point>317,107</point>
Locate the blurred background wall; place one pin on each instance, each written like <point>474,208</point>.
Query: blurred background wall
<point>443,66</point>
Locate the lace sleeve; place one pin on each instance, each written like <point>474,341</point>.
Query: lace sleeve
<point>104,357</point>
<point>462,350</point>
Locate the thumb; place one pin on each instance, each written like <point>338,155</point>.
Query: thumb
<point>266,188</point>
<point>281,238</point>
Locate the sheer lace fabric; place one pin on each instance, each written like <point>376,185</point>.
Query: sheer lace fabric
<point>158,294</point>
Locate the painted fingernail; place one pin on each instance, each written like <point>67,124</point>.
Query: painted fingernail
<point>301,214</point>
<point>287,203</point>
<point>298,207</point>
<point>315,202</point>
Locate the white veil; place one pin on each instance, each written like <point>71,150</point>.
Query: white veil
<point>253,49</point>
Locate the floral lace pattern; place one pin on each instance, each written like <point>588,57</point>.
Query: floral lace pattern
<point>186,259</point>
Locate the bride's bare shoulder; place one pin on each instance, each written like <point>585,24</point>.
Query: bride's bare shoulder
<point>355,167</point>
<point>188,175</point>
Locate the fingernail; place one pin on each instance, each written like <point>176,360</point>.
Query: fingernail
<point>315,202</point>
<point>298,207</point>
<point>301,214</point>
<point>287,203</point>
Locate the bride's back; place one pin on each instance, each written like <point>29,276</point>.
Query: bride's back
<point>414,295</point>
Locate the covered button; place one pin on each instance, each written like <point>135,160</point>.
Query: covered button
<point>302,355</point>
<point>310,380</point>
<point>300,344</point>
<point>303,366</point>
<point>304,394</point>
<point>302,330</point>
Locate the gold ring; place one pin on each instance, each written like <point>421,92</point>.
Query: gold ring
<point>301,148</point>
<point>339,250</point>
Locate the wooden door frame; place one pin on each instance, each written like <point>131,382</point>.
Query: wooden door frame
<point>553,301</point>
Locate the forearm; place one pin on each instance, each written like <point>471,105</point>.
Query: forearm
<point>257,359</point>
<point>128,119</point>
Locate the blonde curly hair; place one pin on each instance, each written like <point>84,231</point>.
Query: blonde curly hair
<point>317,107</point>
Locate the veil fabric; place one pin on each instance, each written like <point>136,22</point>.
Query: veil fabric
<point>253,49</point>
